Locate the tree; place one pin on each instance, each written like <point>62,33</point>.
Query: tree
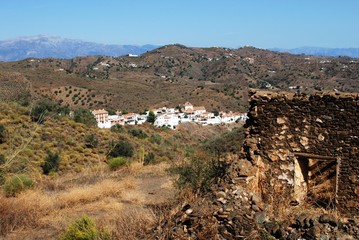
<point>84,116</point>
<point>151,118</point>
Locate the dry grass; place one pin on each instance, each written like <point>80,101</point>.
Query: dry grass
<point>117,201</point>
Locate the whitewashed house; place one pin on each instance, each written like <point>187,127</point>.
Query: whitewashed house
<point>188,106</point>
<point>130,118</point>
<point>199,110</point>
<point>168,120</point>
<point>116,119</point>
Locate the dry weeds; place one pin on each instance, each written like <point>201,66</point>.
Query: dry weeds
<point>116,201</point>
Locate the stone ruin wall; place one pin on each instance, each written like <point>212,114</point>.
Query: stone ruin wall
<point>304,146</point>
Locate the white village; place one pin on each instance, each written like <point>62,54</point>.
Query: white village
<point>169,117</point>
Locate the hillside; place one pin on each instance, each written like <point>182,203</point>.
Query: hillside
<point>124,199</point>
<point>217,78</point>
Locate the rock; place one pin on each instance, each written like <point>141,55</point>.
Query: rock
<point>256,199</point>
<point>222,200</point>
<point>328,218</point>
<point>185,207</point>
<point>313,232</point>
<point>271,227</point>
<point>221,194</point>
<point>300,220</point>
<point>255,208</point>
<point>260,217</point>
<point>189,211</point>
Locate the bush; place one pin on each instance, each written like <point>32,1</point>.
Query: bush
<point>2,159</point>
<point>39,110</point>
<point>16,184</point>
<point>117,128</point>
<point>51,163</point>
<point>91,141</point>
<point>2,133</point>
<point>156,138</point>
<point>199,172</point>
<point>116,163</point>
<point>138,133</point>
<point>85,116</point>
<point>84,228</point>
<point>227,142</point>
<point>149,159</point>
<point>121,148</point>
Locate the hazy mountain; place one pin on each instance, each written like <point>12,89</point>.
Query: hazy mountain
<point>319,51</point>
<point>43,46</point>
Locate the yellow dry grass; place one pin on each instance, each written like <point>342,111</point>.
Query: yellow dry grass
<point>116,201</point>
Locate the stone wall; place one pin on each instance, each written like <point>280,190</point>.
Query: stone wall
<point>305,148</point>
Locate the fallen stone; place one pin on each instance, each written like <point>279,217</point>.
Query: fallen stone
<point>255,208</point>
<point>189,211</point>
<point>221,194</point>
<point>222,200</point>
<point>328,218</point>
<point>260,217</point>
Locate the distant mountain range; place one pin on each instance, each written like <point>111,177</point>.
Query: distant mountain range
<point>319,51</point>
<point>44,46</point>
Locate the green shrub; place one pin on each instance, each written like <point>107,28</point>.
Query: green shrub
<point>117,128</point>
<point>84,228</point>
<point>2,133</point>
<point>52,162</point>
<point>199,172</point>
<point>16,184</point>
<point>138,133</point>
<point>39,111</point>
<point>116,163</point>
<point>156,138</point>
<point>149,158</point>
<point>91,141</point>
<point>2,159</point>
<point>121,148</point>
<point>84,116</point>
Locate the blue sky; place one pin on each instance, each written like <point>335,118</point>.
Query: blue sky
<point>195,23</point>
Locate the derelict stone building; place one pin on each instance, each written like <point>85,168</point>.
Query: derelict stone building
<point>305,147</point>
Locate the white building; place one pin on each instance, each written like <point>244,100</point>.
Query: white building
<point>168,120</point>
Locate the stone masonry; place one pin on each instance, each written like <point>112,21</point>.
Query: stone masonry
<point>305,148</point>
